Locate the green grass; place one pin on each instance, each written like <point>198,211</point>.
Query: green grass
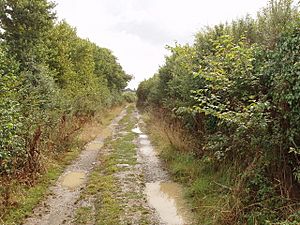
<point>84,215</point>
<point>103,186</point>
<point>27,197</point>
<point>205,187</point>
<point>31,196</point>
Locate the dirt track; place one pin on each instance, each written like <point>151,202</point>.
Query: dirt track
<point>140,189</point>
<point>60,206</point>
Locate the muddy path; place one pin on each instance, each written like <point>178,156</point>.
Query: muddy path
<point>163,195</point>
<point>119,180</point>
<point>130,185</point>
<point>59,207</point>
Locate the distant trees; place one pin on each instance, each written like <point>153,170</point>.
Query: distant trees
<point>236,90</point>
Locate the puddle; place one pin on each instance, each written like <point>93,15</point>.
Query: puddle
<point>122,165</point>
<point>143,136</point>
<point>106,133</point>
<point>73,180</point>
<point>145,146</point>
<point>164,196</point>
<point>144,141</point>
<point>95,145</point>
<point>167,199</point>
<point>137,130</point>
<point>148,151</point>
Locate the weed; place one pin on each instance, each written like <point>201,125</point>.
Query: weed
<point>25,197</point>
<point>207,190</point>
<point>104,186</point>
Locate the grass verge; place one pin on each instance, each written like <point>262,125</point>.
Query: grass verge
<point>26,198</point>
<point>206,189</point>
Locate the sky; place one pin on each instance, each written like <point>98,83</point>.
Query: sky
<point>137,31</point>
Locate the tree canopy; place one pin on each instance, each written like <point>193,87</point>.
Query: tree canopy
<point>49,78</point>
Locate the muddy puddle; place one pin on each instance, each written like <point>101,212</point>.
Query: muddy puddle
<point>167,199</point>
<point>164,196</point>
<point>73,180</point>
<point>60,206</point>
<point>137,130</point>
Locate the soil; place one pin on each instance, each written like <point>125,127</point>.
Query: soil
<point>59,207</point>
<point>146,192</point>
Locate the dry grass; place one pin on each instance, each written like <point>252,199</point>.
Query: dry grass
<point>24,198</point>
<point>99,123</point>
<point>207,190</point>
<point>173,132</point>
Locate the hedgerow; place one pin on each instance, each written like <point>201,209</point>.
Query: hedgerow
<point>236,91</point>
<point>51,82</point>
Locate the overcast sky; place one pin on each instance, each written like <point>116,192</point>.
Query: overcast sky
<point>137,31</point>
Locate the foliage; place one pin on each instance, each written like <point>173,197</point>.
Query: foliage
<point>11,143</point>
<point>51,82</point>
<point>236,91</point>
<point>26,25</point>
<point>129,97</point>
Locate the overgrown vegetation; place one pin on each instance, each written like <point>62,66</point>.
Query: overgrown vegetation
<point>234,98</point>
<point>24,198</point>
<point>206,189</point>
<point>51,83</point>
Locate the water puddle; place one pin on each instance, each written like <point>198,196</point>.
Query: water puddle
<point>143,136</point>
<point>137,130</point>
<point>95,145</point>
<point>146,148</point>
<point>73,180</point>
<point>123,165</point>
<point>148,151</point>
<point>106,133</point>
<point>144,141</point>
<point>167,199</point>
<point>164,196</point>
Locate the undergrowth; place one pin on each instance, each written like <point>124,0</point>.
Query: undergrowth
<point>24,198</point>
<point>216,192</point>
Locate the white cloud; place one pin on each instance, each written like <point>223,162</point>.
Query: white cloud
<point>138,30</point>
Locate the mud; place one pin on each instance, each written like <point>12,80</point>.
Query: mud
<point>59,207</point>
<point>167,199</point>
<point>165,196</point>
<point>130,180</point>
<point>146,191</point>
<point>73,180</point>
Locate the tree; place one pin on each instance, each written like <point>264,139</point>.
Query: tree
<point>25,27</point>
<point>12,145</point>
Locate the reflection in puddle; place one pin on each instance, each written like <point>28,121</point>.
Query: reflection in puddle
<point>143,136</point>
<point>167,199</point>
<point>136,130</point>
<point>144,141</point>
<point>73,180</point>
<point>149,152</point>
<point>146,148</point>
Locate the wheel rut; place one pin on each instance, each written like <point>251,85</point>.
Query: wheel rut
<point>60,206</point>
<point>117,180</point>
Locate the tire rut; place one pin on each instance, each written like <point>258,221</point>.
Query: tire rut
<point>60,206</point>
